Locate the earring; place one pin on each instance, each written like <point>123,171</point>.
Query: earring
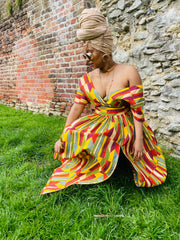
<point>105,56</point>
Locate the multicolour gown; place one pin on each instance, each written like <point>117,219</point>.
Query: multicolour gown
<point>91,145</point>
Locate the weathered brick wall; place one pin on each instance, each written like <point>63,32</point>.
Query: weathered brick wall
<point>40,59</point>
<point>11,29</point>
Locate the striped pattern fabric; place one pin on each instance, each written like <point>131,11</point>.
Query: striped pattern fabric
<point>91,145</point>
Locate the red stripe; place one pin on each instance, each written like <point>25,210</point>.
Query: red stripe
<point>74,180</point>
<point>103,153</point>
<point>124,121</point>
<point>149,163</point>
<point>89,178</point>
<point>152,181</point>
<point>95,167</point>
<point>105,167</point>
<point>138,95</point>
<point>81,138</point>
<point>117,133</point>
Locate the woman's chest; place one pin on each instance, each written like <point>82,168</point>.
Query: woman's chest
<point>106,84</point>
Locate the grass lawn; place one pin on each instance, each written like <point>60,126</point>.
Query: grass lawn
<point>26,163</point>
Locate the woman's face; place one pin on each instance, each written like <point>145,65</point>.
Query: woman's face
<point>93,56</point>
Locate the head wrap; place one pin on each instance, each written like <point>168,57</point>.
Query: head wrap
<point>94,29</point>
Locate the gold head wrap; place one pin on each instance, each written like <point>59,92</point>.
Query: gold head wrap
<point>94,29</point>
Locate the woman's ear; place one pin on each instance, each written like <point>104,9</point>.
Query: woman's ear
<point>105,57</point>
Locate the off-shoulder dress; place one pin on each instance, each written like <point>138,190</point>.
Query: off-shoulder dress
<point>91,145</point>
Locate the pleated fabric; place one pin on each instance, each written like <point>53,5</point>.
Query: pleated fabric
<point>91,145</point>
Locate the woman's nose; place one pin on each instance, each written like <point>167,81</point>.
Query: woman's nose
<point>87,62</point>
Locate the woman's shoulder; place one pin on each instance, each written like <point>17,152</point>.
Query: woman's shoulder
<point>130,74</point>
<point>126,67</point>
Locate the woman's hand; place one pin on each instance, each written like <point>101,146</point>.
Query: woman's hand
<point>57,146</point>
<point>138,149</point>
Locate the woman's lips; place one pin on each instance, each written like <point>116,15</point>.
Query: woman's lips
<point>90,64</point>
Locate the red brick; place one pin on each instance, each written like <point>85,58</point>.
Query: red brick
<point>46,69</point>
<point>73,21</point>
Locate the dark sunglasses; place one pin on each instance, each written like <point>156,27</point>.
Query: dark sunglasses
<point>88,55</point>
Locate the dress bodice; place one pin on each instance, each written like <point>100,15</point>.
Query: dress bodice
<point>118,100</point>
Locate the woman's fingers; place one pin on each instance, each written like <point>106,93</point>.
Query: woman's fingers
<point>137,151</point>
<point>57,146</point>
<point>132,150</point>
<point>135,155</point>
<point>138,155</point>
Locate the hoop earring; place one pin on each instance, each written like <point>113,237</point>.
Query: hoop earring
<point>104,56</point>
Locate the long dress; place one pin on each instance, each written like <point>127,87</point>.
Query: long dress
<point>91,145</point>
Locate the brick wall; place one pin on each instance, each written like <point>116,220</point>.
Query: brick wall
<point>40,59</point>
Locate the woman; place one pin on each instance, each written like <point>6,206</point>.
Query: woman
<point>89,147</point>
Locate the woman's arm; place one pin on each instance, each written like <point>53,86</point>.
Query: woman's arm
<point>138,148</point>
<point>74,114</point>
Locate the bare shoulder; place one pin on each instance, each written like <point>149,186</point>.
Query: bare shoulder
<point>131,74</point>
<point>127,68</point>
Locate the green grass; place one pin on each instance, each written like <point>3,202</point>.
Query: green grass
<point>26,163</point>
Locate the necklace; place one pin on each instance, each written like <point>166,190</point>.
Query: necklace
<point>110,69</point>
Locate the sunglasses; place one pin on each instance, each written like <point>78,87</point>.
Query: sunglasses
<point>88,55</point>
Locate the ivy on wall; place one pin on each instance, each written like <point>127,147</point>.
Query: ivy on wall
<point>9,9</point>
<point>19,4</point>
<point>10,6</point>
